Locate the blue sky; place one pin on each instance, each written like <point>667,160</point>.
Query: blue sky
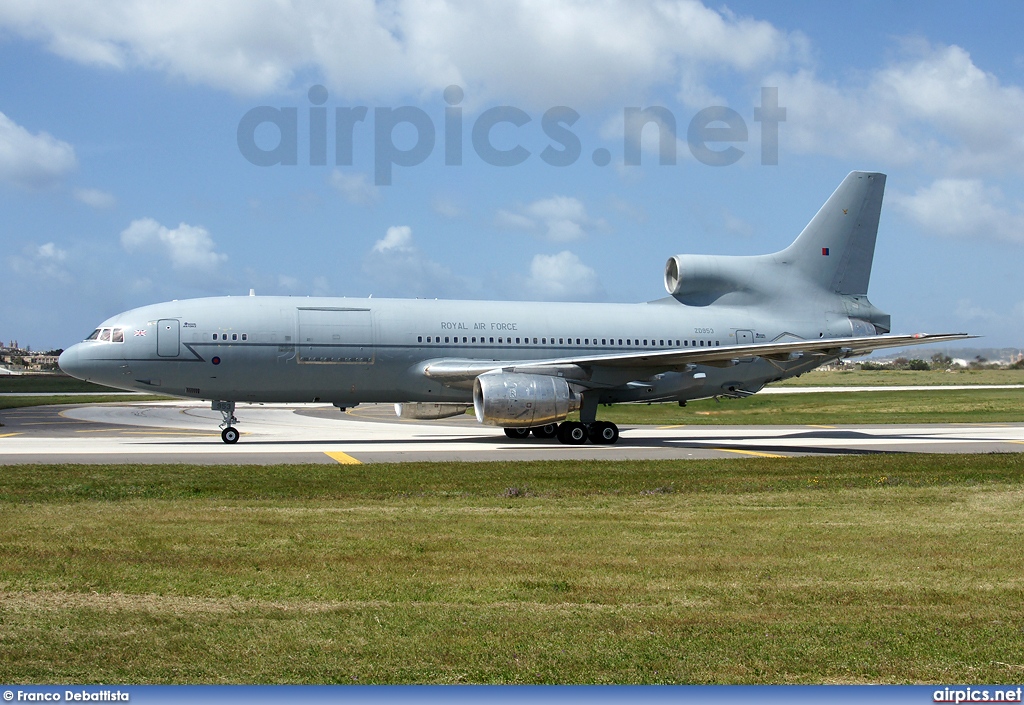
<point>122,182</point>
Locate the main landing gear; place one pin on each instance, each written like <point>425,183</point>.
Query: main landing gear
<point>228,434</point>
<point>575,433</point>
<point>572,433</point>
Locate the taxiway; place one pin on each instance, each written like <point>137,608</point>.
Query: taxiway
<point>187,432</point>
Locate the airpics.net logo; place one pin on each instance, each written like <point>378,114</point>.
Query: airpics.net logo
<point>269,136</point>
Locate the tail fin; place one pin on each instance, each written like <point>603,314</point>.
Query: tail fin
<point>836,248</point>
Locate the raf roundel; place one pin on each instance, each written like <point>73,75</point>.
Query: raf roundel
<point>215,360</point>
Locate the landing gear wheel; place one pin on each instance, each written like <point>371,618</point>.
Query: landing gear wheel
<point>603,433</point>
<point>230,435</point>
<point>546,431</point>
<point>517,434</point>
<point>572,433</point>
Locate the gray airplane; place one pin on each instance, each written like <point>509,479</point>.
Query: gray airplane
<point>729,326</point>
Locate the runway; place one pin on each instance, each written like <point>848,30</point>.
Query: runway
<point>187,432</point>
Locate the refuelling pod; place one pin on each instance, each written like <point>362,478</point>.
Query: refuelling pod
<point>427,410</point>
<point>516,400</point>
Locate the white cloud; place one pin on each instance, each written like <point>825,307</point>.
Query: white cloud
<point>32,161</point>
<point>656,136</point>
<point>355,188</point>
<point>398,238</point>
<point>188,247</point>
<point>559,219</point>
<point>44,262</point>
<point>562,277</point>
<point>398,268</point>
<point>967,311</point>
<point>542,53</point>
<point>446,208</point>
<point>95,198</point>
<point>963,208</point>
<point>935,108</point>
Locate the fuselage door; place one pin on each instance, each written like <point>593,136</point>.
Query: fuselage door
<point>168,337</point>
<point>329,335</point>
<point>744,337</point>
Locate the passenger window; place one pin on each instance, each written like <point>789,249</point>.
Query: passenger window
<point>245,336</point>
<point>428,338</point>
<point>534,341</point>
<point>446,339</point>
<point>419,338</point>
<point>492,340</point>
<point>561,341</point>
<point>577,341</point>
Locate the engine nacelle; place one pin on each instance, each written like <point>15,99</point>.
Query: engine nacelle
<point>692,274</point>
<point>427,410</point>
<point>516,400</point>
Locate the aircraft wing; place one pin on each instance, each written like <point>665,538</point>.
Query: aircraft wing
<point>459,371</point>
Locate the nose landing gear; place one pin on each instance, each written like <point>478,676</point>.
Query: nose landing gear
<point>229,434</point>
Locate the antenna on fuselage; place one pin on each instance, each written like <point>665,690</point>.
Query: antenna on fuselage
<point>252,292</point>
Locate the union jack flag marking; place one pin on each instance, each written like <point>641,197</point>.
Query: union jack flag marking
<point>139,333</point>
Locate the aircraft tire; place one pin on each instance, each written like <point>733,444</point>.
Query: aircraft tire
<point>546,431</point>
<point>230,435</point>
<point>603,433</point>
<point>517,434</point>
<point>572,433</point>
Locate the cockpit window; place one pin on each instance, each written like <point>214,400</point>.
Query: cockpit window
<point>108,335</point>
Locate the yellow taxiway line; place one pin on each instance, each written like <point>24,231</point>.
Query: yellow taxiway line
<point>757,453</point>
<point>343,458</point>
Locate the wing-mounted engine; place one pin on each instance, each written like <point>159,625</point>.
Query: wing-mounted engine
<point>516,400</point>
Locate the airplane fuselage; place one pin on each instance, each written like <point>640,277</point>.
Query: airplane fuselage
<point>345,350</point>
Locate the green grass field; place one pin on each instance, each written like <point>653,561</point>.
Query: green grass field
<point>20,402</point>
<point>866,569</point>
<point>887,378</point>
<point>56,383</point>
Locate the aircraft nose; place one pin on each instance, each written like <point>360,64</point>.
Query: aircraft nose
<point>70,362</point>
